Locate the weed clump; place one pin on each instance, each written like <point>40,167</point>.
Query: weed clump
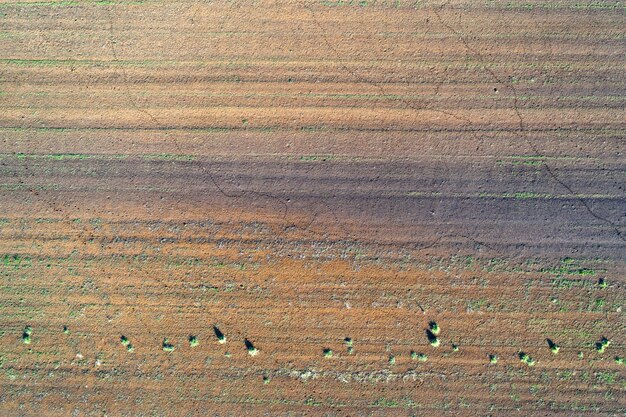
<point>526,359</point>
<point>220,336</point>
<point>26,335</point>
<point>455,347</point>
<point>252,351</point>
<point>66,330</point>
<point>619,360</point>
<point>193,341</point>
<point>392,360</point>
<point>434,328</point>
<point>328,353</point>
<point>602,283</point>
<point>554,348</point>
<point>266,379</point>
<point>581,355</point>
<point>167,346</point>
<point>602,345</point>
<point>493,359</point>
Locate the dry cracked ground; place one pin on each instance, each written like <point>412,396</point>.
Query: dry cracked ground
<point>337,208</point>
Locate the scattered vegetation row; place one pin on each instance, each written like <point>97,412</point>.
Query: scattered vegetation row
<point>432,335</point>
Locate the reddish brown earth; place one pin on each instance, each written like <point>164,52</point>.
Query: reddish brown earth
<point>296,173</point>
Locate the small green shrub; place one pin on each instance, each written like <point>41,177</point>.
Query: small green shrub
<point>619,360</point>
<point>66,330</point>
<point>602,283</point>
<point>220,336</point>
<point>602,345</point>
<point>392,360</point>
<point>455,347</point>
<point>493,359</point>
<point>418,356</point>
<point>130,348</point>
<point>554,348</point>
<point>349,343</point>
<point>193,341</point>
<point>526,359</point>
<point>266,379</point>
<point>434,328</point>
<point>124,340</point>
<point>328,353</point>
<point>581,355</point>
<point>167,346</point>
<point>432,339</point>
<point>26,335</point>
<point>252,351</point>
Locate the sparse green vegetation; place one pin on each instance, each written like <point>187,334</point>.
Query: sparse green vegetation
<point>328,353</point>
<point>130,348</point>
<point>266,379</point>
<point>383,402</point>
<point>167,346</point>
<point>602,345</point>
<point>193,341</point>
<point>581,355</point>
<point>619,360</point>
<point>124,340</point>
<point>493,359</point>
<point>606,377</point>
<point>455,347</point>
<point>434,328</point>
<point>66,330</point>
<point>392,360</point>
<point>602,283</point>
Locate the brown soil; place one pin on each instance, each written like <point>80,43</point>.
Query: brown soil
<point>300,172</point>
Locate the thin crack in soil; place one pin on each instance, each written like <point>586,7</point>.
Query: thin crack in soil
<point>520,133</point>
<point>206,172</point>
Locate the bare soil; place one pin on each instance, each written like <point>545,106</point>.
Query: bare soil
<point>300,172</point>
